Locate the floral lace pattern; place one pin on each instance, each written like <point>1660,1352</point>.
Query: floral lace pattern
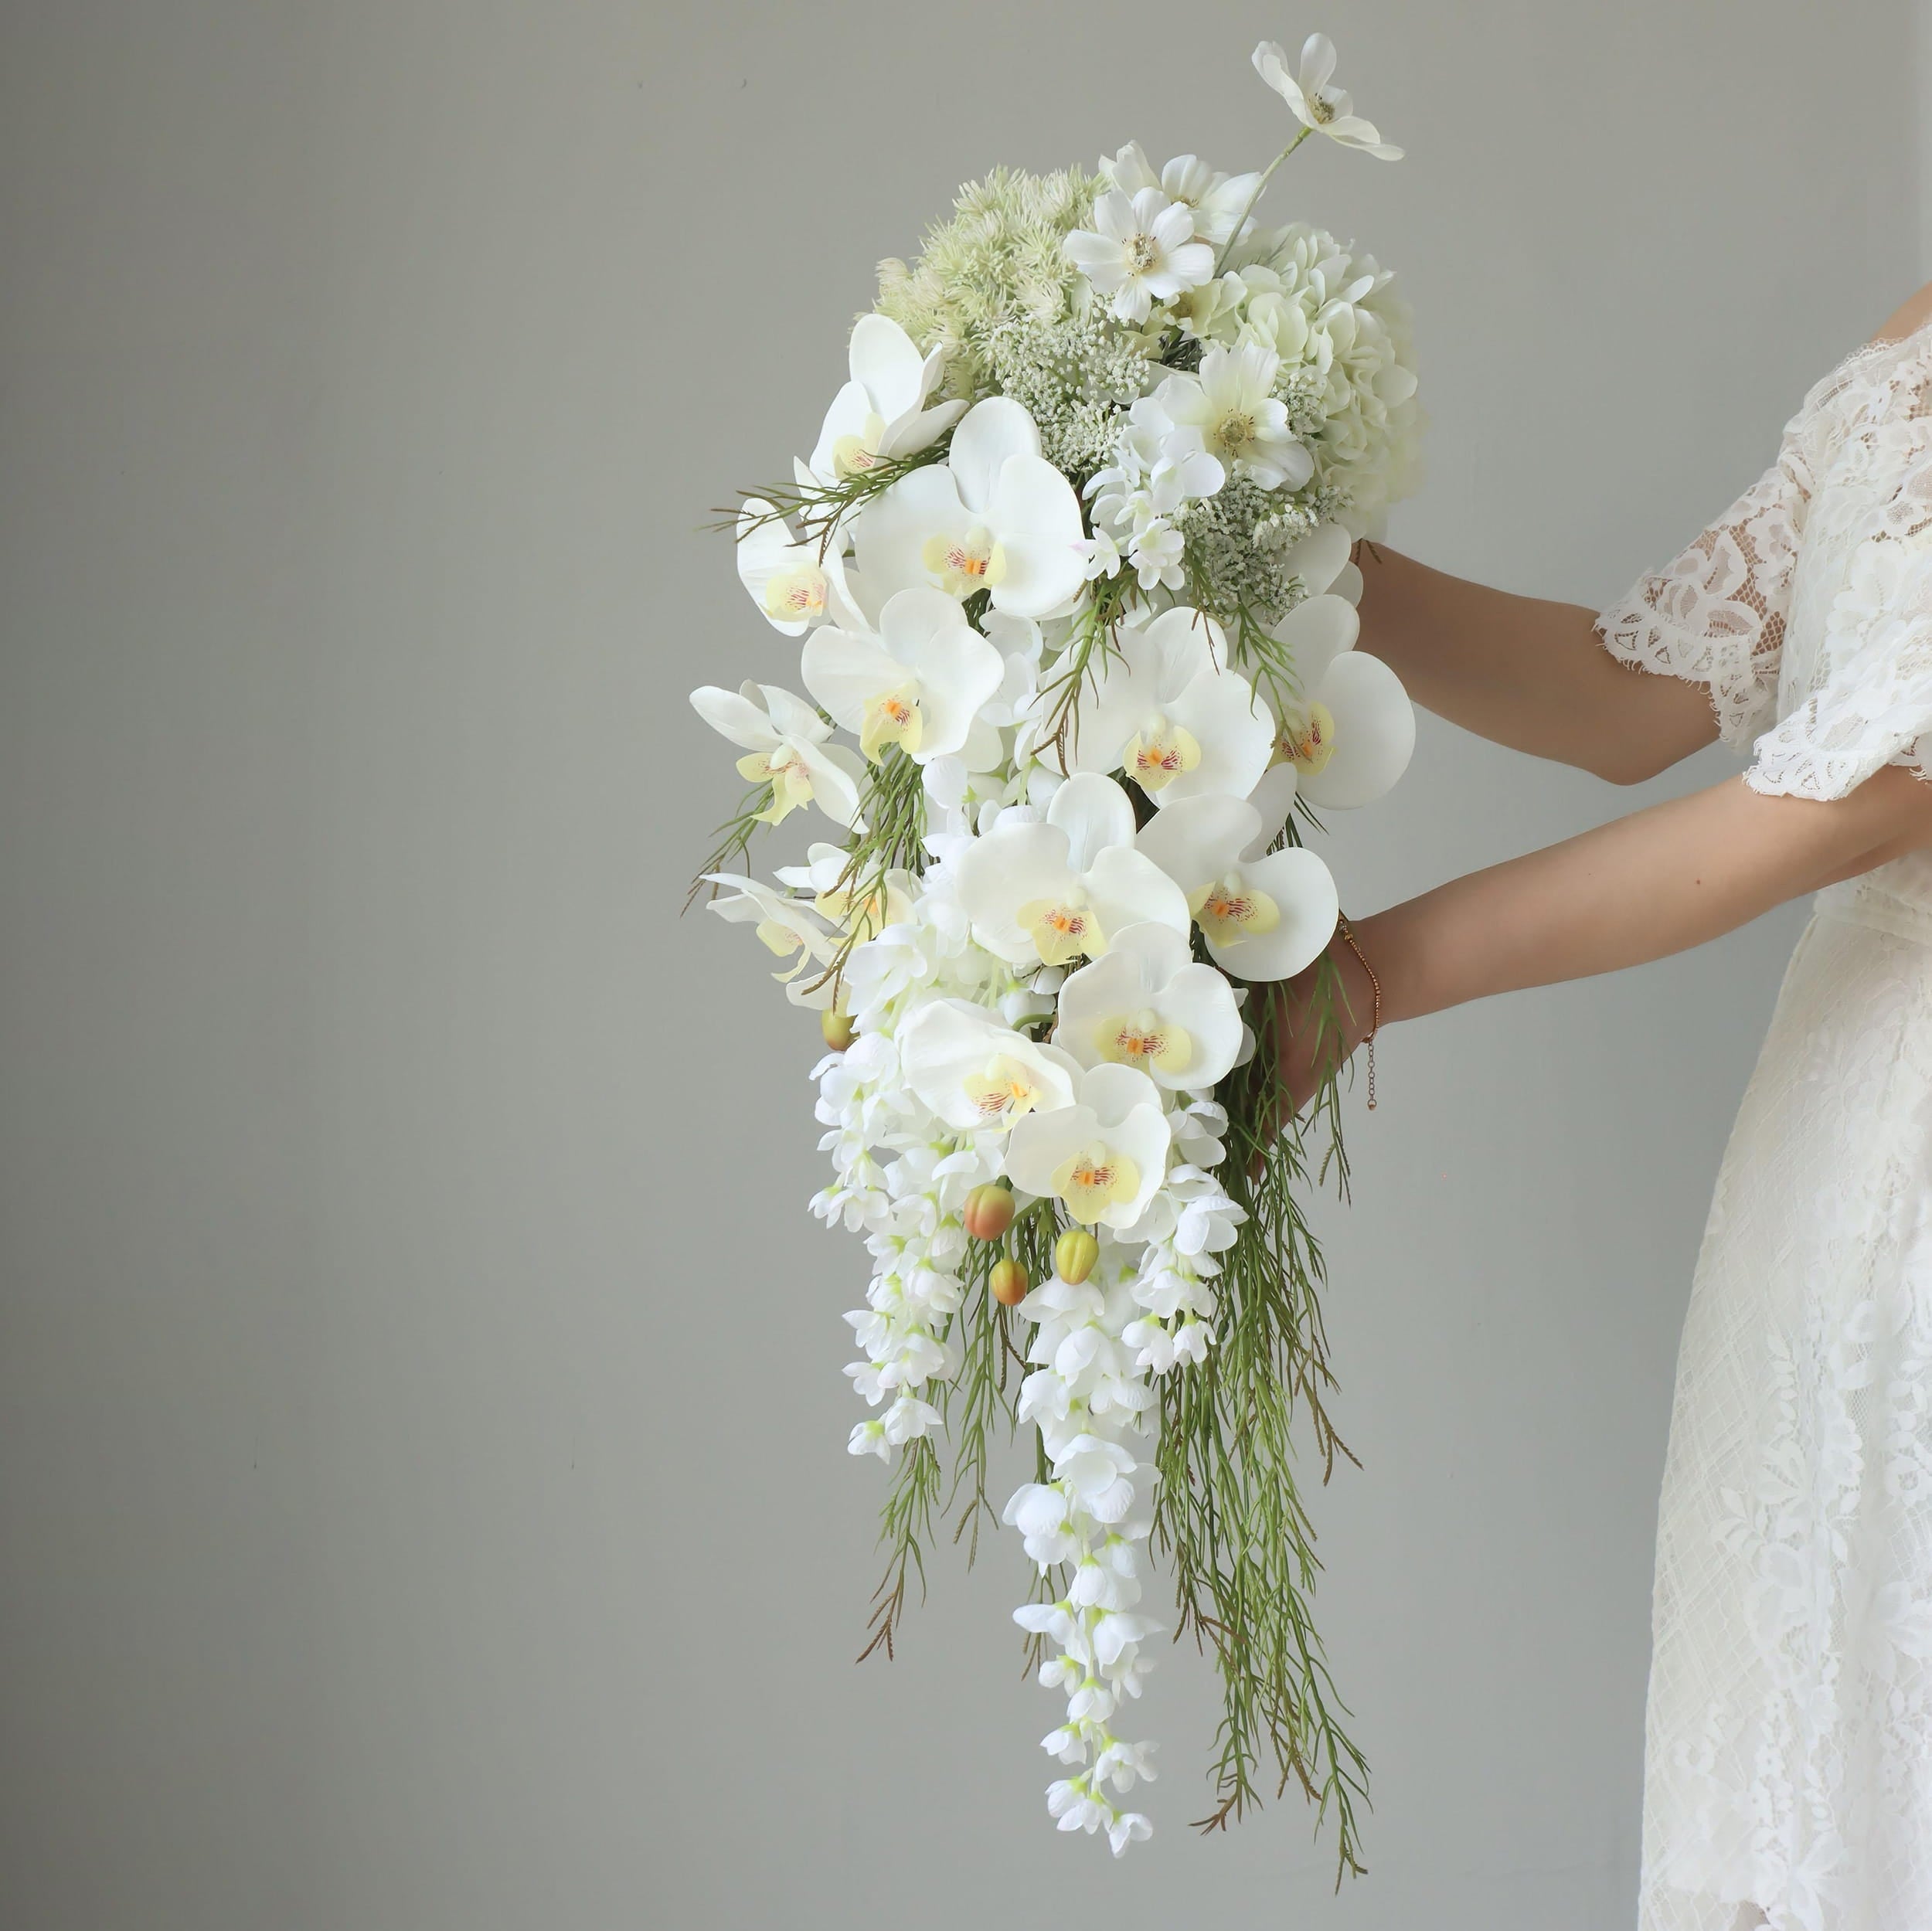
<point>1789,1755</point>
<point>1806,610</point>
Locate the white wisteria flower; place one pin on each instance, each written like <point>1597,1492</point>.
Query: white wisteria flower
<point>919,684</point>
<point>1048,892</point>
<point>995,516</point>
<point>1149,1003</point>
<point>1140,250</point>
<point>1325,109</point>
<point>974,1074</point>
<point>881,412</point>
<point>1216,201</point>
<point>1265,915</point>
<point>1102,1157</point>
<point>792,582</point>
<point>1242,422</point>
<point>1164,708</point>
<point>786,746</point>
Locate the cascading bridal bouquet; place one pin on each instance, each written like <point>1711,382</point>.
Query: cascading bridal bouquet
<point>1071,561</point>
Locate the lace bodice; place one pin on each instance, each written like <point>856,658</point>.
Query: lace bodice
<point>1806,610</point>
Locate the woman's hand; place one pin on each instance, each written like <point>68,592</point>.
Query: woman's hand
<point>1315,1037</point>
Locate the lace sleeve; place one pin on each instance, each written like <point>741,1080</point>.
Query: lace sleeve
<point>1873,705</point>
<point>1716,617</point>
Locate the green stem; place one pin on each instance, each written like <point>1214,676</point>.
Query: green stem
<point>1227,247</point>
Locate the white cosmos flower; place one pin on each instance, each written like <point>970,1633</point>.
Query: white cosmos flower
<point>1050,892</point>
<point>1102,1157</point>
<point>919,684</point>
<point>1265,915</point>
<point>1164,708</point>
<point>995,516</point>
<point>881,412</point>
<point>1149,1003</point>
<point>1243,423</point>
<point>785,745</point>
<point>790,581</point>
<point>784,927</point>
<point>1216,201</point>
<point>1140,250</point>
<point>974,1072</point>
<point>1316,104</point>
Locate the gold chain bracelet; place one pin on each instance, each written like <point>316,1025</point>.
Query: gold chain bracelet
<point>1375,989</point>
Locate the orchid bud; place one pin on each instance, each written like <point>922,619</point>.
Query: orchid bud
<point>989,1212</point>
<point>837,1028</point>
<point>1009,1283</point>
<point>1074,1255</point>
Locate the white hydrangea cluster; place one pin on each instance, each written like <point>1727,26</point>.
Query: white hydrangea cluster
<point>1067,861</point>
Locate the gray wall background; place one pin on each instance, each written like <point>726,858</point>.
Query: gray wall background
<point>422,1499</point>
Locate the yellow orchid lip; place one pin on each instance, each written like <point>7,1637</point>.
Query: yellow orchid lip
<point>1306,741</point>
<point>1144,1040</point>
<point>1228,910</point>
<point>1093,1180</point>
<point>892,717</point>
<point>1156,757</point>
<point>1062,930</point>
<point>1005,1091</point>
<point>974,560</point>
<point>798,591</point>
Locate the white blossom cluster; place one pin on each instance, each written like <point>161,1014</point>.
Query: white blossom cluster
<point>1032,996</point>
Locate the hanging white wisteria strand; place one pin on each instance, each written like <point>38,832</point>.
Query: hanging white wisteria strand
<point>1069,567</point>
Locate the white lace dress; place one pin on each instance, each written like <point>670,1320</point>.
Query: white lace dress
<point>1789,1752</point>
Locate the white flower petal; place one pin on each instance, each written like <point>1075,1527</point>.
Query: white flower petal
<point>1303,892</point>
<point>1375,734</point>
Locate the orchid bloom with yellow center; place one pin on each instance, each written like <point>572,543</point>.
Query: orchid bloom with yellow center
<point>881,414</point>
<point>1305,737</point>
<point>1159,754</point>
<point>1265,914</point>
<point>787,930</point>
<point>1103,1155</point>
<point>787,747</point>
<point>1150,1004</point>
<point>919,683</point>
<point>976,1074</point>
<point>796,585</point>
<point>964,561</point>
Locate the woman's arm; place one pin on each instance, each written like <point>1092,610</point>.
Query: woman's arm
<point>1524,672</point>
<point>1658,881</point>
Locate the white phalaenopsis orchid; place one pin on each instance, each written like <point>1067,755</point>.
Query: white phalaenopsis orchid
<point>1149,1003</point>
<point>785,928</point>
<point>792,582</point>
<point>1232,403</point>
<point>1140,250</point>
<point>1164,708</point>
<point>919,684</point>
<point>974,1073</point>
<point>881,412</point>
<point>1265,915</point>
<point>1048,893</point>
<point>1350,739</point>
<point>785,743</point>
<point>1317,105</point>
<point>995,516</point>
<point>1103,1157</point>
<point>1216,201</point>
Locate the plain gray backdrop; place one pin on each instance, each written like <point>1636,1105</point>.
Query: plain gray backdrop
<point>423,1495</point>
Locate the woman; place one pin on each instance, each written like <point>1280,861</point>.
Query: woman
<point>1789,1753</point>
